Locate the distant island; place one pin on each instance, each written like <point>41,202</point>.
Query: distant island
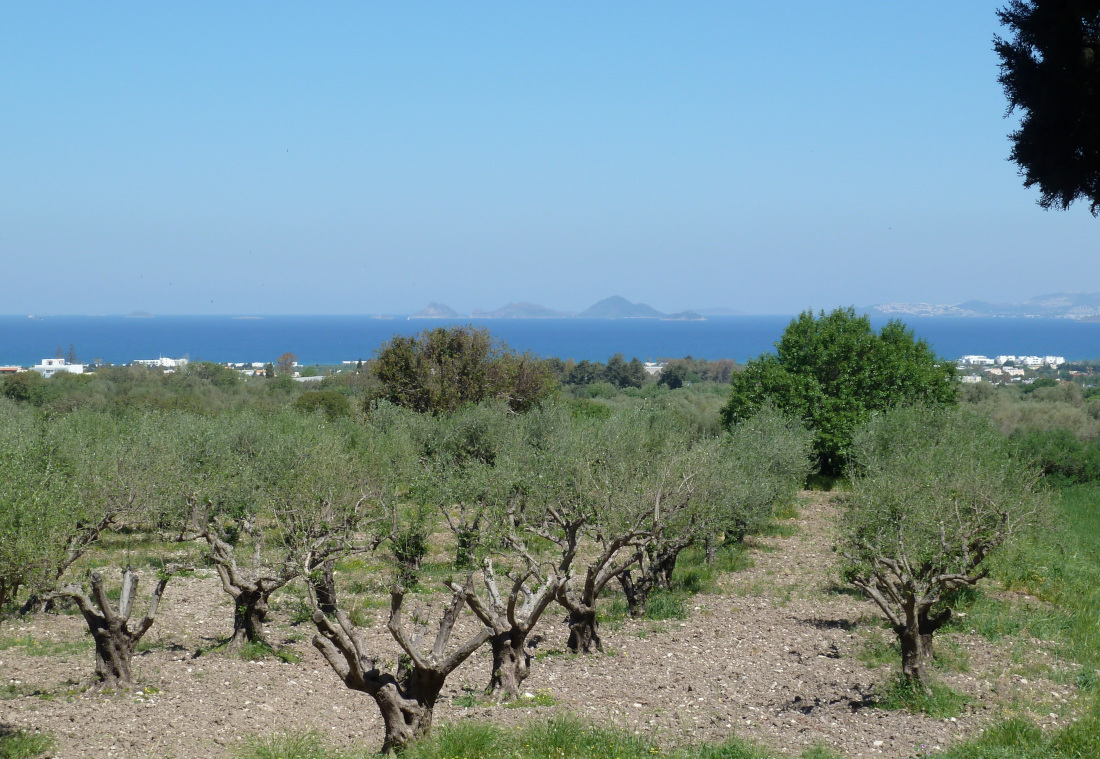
<point>1084,306</point>
<point>615,307</point>
<point>436,311</point>
<point>519,311</point>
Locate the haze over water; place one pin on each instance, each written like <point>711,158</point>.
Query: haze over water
<point>332,339</point>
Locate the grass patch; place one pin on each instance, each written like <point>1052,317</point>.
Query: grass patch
<point>899,693</point>
<point>525,701</point>
<point>1020,739</point>
<point>560,737</point>
<point>307,745</point>
<point>18,744</point>
<point>663,604</point>
<point>259,650</point>
<point>34,647</point>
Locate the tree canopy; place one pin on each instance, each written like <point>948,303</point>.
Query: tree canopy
<point>934,492</point>
<point>1050,71</point>
<point>832,371</point>
<point>443,369</point>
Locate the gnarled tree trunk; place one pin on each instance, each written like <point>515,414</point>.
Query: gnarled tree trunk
<point>324,586</point>
<point>406,699</point>
<point>249,614</point>
<point>114,640</point>
<point>511,623</point>
<point>511,664</point>
<point>250,592</point>
<point>583,635</point>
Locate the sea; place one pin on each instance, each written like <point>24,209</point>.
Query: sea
<point>334,339</point>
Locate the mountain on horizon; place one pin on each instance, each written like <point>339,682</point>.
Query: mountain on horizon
<point>1050,306</point>
<point>617,307</point>
<point>436,311</point>
<point>684,316</point>
<point>520,310</point>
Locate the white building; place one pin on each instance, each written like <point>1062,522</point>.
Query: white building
<point>164,363</point>
<point>1001,360</point>
<point>1054,360</point>
<point>976,361</point>
<point>970,379</point>
<point>652,367</point>
<point>51,366</point>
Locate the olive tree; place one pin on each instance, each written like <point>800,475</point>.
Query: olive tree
<point>37,502</point>
<point>711,490</point>
<point>406,693</point>
<point>934,492</point>
<point>584,498</point>
<point>220,469</point>
<point>115,639</point>
<point>64,482</point>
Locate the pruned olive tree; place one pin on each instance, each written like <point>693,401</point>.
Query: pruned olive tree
<point>712,490</point>
<point>324,502</point>
<point>934,493</point>
<point>65,481</point>
<point>583,500</point>
<point>407,693</point>
<point>475,472</point>
<point>115,638</point>
<point>511,614</point>
<point>222,468</point>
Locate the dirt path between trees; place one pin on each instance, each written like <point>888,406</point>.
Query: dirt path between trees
<point>772,658</point>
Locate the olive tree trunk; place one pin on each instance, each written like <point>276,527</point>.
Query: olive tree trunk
<point>406,698</point>
<point>324,586</point>
<point>110,627</point>
<point>250,592</point>
<point>511,623</point>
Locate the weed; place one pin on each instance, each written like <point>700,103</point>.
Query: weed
<point>18,744</point>
<point>259,650</point>
<point>901,693</point>
<point>34,647</point>
<point>307,745</point>
<point>527,700</point>
<point>663,604</point>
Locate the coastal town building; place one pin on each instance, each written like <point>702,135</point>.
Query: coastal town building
<point>163,363</point>
<point>51,366</point>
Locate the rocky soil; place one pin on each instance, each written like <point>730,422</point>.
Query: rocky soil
<point>773,658</point>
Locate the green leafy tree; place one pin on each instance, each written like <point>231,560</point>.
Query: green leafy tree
<point>623,373</point>
<point>934,492</point>
<point>443,369</point>
<point>673,376</point>
<point>832,371</point>
<point>1050,71</point>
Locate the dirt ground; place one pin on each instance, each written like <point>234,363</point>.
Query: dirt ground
<point>773,658</point>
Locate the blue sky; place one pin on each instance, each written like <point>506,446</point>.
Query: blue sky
<point>195,158</point>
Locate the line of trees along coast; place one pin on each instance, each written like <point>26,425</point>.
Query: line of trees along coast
<point>539,491</point>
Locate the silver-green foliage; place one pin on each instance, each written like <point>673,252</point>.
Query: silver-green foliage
<point>934,492</point>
